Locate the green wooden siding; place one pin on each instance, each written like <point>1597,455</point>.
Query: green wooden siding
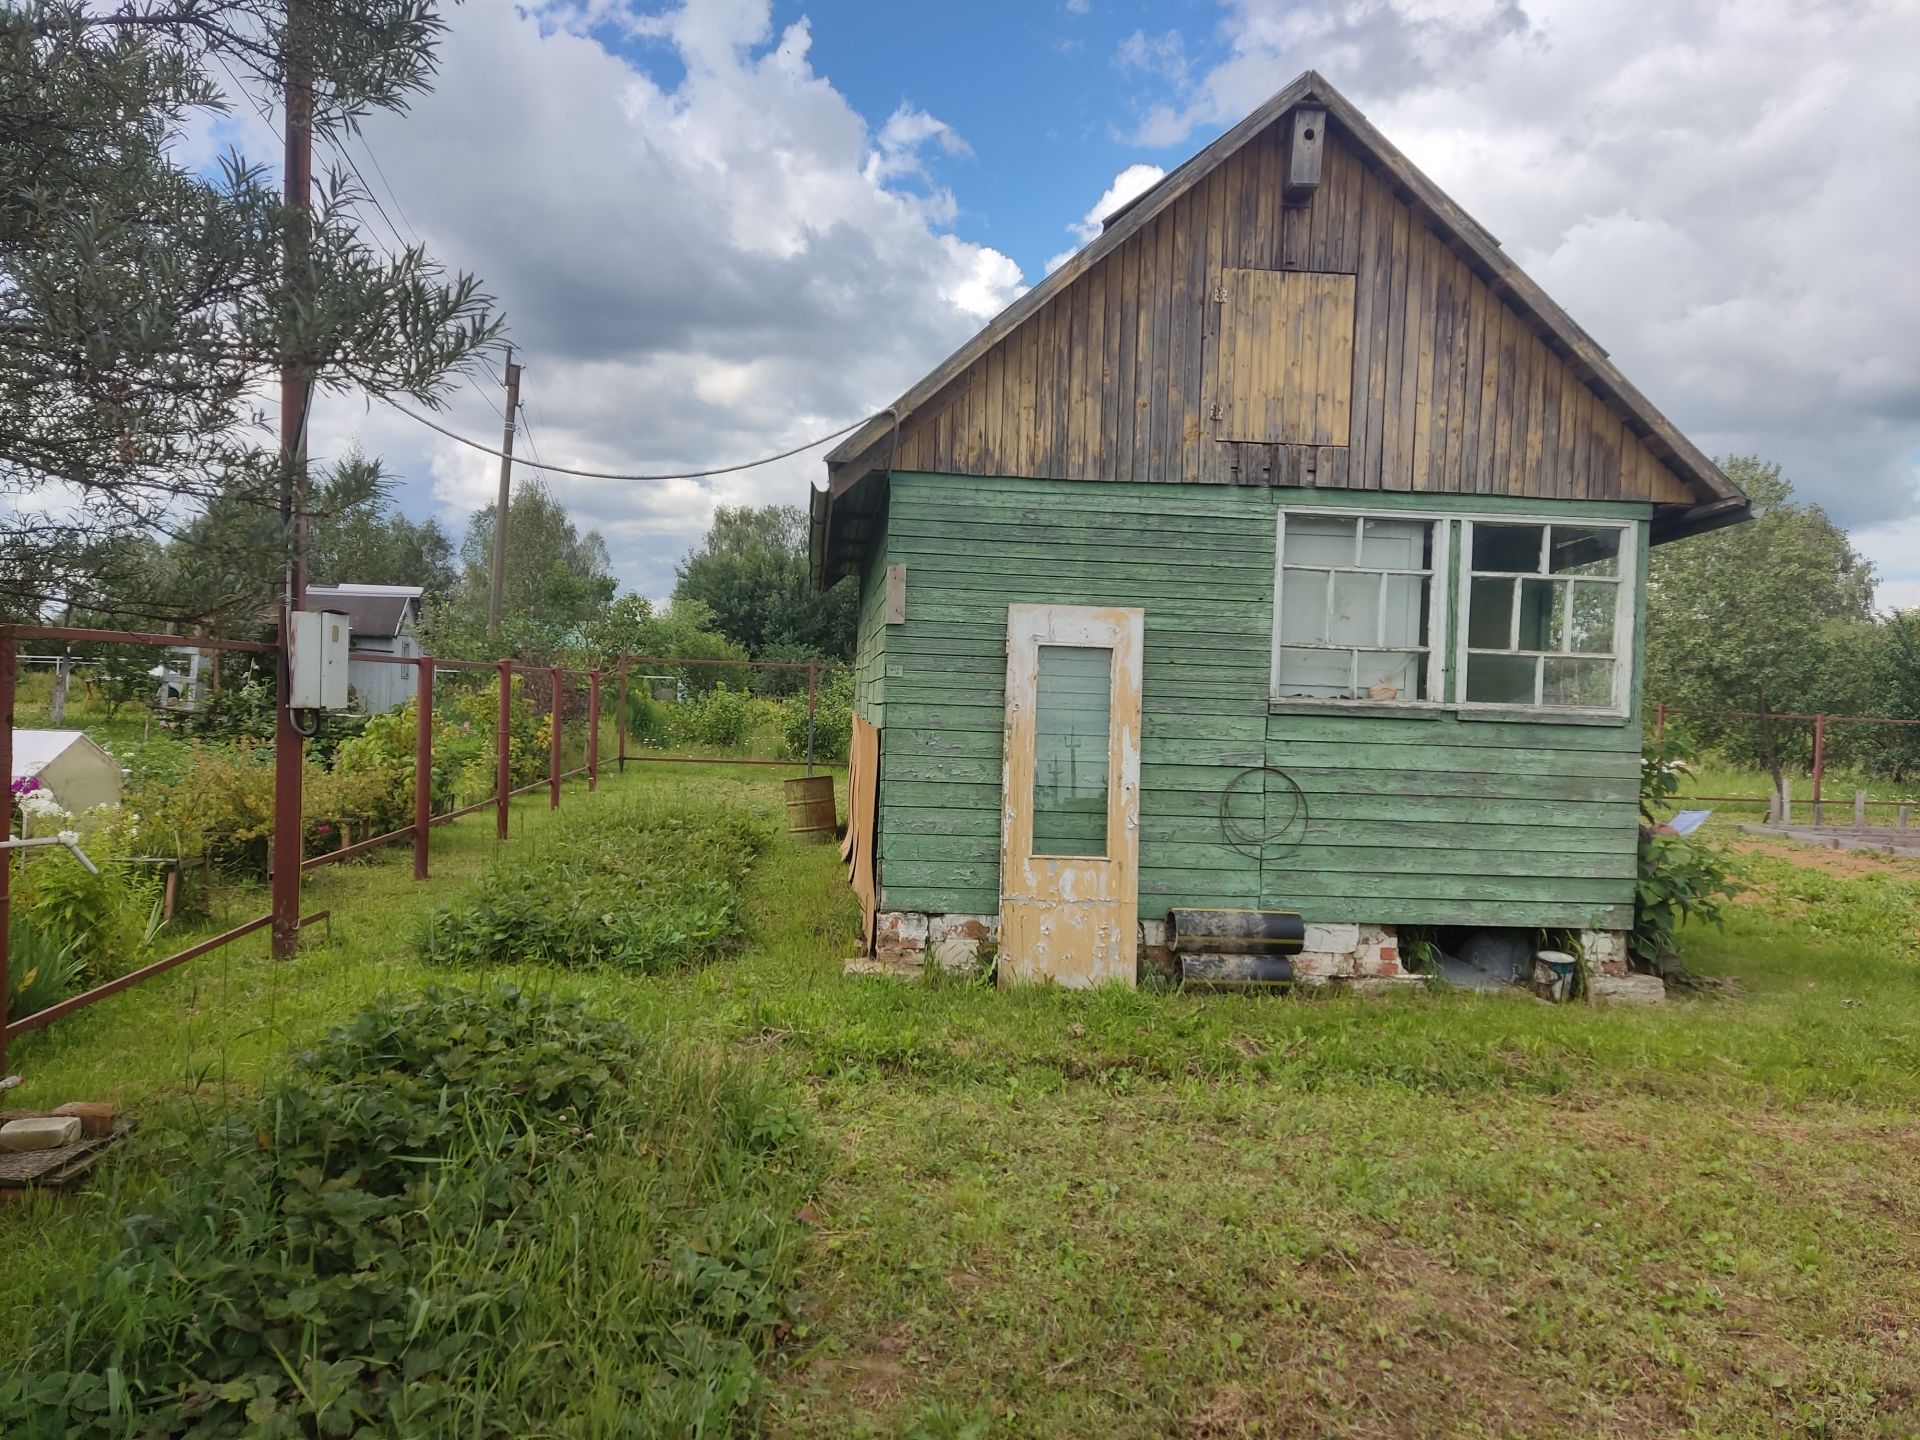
<point>870,645</point>
<point>1429,819</point>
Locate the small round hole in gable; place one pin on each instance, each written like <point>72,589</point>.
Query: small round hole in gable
<point>1308,133</point>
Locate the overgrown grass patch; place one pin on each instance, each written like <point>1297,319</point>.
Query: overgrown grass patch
<point>643,887</point>
<point>472,1214</point>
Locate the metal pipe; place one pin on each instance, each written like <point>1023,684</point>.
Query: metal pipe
<point>503,751</point>
<point>422,766</point>
<point>593,731</point>
<point>620,721</point>
<point>553,737</point>
<point>139,637</point>
<point>347,851</point>
<point>721,760</point>
<point>812,675</point>
<point>1819,761</point>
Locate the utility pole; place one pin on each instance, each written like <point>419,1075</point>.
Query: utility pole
<point>289,830</point>
<point>497,599</point>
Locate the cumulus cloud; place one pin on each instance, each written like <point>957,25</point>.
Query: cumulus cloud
<point>1721,191</point>
<point>1136,179</point>
<point>694,272</point>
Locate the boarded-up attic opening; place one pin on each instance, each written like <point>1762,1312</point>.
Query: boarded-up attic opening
<point>1285,357</point>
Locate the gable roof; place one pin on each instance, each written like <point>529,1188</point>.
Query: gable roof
<point>1716,501</point>
<point>376,612</point>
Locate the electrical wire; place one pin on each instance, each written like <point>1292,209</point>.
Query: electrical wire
<point>609,475</point>
<point>1259,844</point>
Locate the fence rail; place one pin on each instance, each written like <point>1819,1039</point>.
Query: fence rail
<point>1770,742</point>
<point>284,918</point>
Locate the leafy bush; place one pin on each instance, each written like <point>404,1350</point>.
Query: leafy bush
<point>427,1227</point>
<point>832,719</point>
<point>102,922</point>
<point>1680,878</point>
<point>722,718</point>
<point>646,891</point>
<point>40,972</point>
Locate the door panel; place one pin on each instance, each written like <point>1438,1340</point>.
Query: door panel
<point>1070,831</point>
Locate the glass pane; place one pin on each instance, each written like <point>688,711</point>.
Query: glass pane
<point>1319,540</point>
<point>1316,674</point>
<point>1395,544</point>
<point>1406,610</point>
<point>1580,551</point>
<point>1537,610</point>
<point>1303,607</point>
<point>1490,615</point>
<point>1500,679</point>
<point>1592,618</point>
<point>1506,547</point>
<point>1071,697</point>
<point>1578,682</point>
<point>1356,610</point>
<point>1385,676</point>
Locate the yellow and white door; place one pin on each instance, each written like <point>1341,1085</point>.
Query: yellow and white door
<point>1070,821</point>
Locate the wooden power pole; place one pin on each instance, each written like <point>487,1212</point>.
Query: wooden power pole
<point>498,595</point>
<point>289,829</point>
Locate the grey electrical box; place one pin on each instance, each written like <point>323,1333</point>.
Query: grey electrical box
<point>317,660</point>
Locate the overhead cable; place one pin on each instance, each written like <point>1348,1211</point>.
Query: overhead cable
<point>609,475</point>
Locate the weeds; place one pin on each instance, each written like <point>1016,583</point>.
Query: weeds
<point>431,1224</point>
<point>647,892</point>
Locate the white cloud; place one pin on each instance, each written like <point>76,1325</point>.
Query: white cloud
<point>1721,191</point>
<point>1133,181</point>
<point>694,274</point>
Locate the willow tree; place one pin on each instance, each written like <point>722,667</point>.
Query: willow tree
<point>146,305</point>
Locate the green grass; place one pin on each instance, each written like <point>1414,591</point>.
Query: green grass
<point>1142,1214</point>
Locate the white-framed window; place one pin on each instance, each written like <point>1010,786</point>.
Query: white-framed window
<point>1546,614</point>
<point>1357,615</point>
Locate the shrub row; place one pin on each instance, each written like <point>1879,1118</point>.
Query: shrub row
<point>646,887</point>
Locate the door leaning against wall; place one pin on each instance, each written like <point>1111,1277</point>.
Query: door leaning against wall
<point>1070,822</point>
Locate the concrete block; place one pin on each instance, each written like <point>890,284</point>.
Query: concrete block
<point>961,927</point>
<point>1626,989</point>
<point>899,934</point>
<point>1332,939</point>
<point>955,954</point>
<point>42,1134</point>
<point>1153,932</point>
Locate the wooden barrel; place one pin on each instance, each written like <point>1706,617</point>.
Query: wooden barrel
<point>810,812</point>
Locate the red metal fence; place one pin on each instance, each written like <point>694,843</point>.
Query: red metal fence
<point>284,917</point>
<point>1884,748</point>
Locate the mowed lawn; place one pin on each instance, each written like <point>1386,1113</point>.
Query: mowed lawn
<point>1150,1214</point>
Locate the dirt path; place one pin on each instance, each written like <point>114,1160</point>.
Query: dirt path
<point>1847,863</point>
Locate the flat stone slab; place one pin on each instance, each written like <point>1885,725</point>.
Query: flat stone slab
<point>1845,837</point>
<point>1626,990</point>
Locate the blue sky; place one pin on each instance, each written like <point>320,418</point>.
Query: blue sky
<point>721,227</point>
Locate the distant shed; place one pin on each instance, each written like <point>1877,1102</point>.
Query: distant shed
<point>78,772</point>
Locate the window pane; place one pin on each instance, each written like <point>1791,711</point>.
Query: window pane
<point>1319,540</point>
<point>1356,610</point>
<point>1592,618</point>
<point>1395,544</point>
<point>1406,610</point>
<point>1578,550</point>
<point>1578,682</point>
<point>1316,674</point>
<point>1500,679</point>
<point>1506,547</point>
<point>1537,608</point>
<point>1381,673</point>
<point>1490,615</point>
<point>1071,696</point>
<point>1303,607</point>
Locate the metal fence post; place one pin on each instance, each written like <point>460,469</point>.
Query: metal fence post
<point>620,722</point>
<point>503,747</point>
<point>8,658</point>
<point>1819,761</point>
<point>1659,723</point>
<point>812,671</point>
<point>553,738</point>
<point>422,765</point>
<point>593,730</point>
<point>288,847</point>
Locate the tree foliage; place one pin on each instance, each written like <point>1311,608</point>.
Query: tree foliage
<point>1761,617</point>
<point>751,572</point>
<point>147,304</point>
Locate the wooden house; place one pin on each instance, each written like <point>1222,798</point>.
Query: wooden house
<point>1284,549</point>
